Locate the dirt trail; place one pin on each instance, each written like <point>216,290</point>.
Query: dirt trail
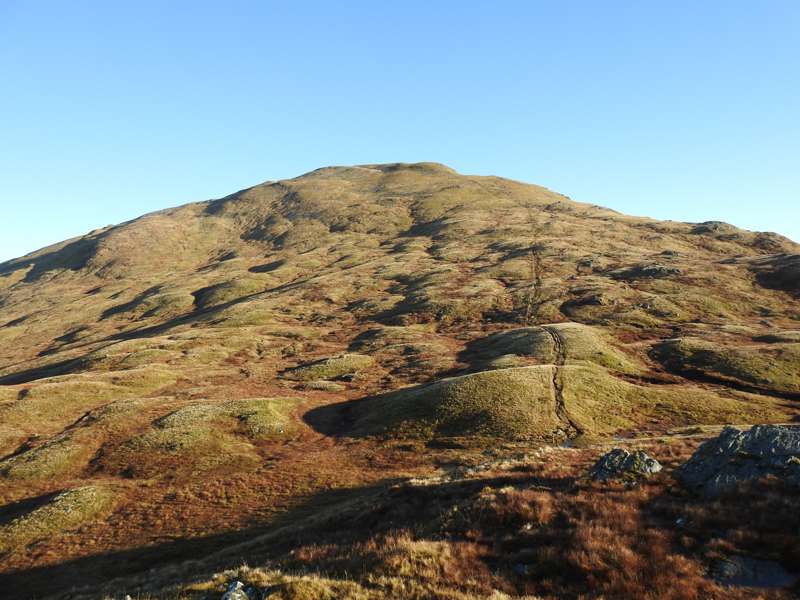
<point>559,361</point>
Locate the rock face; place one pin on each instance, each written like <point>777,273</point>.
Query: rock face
<point>621,464</point>
<point>735,457</point>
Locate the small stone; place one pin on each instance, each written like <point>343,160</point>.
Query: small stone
<point>238,591</point>
<point>521,569</point>
<point>751,572</point>
<point>655,271</point>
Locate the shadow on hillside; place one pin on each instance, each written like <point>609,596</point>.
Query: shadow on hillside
<point>9,512</point>
<point>74,365</point>
<point>212,552</point>
<point>337,419</point>
<point>73,256</point>
<point>344,516</point>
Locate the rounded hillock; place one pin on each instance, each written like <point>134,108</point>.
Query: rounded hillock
<point>254,418</point>
<point>540,401</point>
<point>566,343</point>
<point>768,366</point>
<point>509,403</point>
<point>333,367</point>
<point>61,513</point>
<point>205,436</point>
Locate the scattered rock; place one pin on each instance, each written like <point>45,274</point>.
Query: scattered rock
<point>323,385</point>
<point>714,228</point>
<point>735,457</point>
<point>751,572</point>
<point>522,569</point>
<point>621,464</point>
<point>654,271</point>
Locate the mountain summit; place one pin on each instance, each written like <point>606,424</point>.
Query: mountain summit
<point>188,383</point>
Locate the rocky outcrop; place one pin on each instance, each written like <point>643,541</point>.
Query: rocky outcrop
<point>624,465</point>
<point>735,457</point>
<point>779,272</point>
<point>654,271</point>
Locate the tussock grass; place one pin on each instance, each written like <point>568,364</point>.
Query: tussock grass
<point>286,272</point>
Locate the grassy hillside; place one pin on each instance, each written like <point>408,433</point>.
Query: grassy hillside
<point>206,375</point>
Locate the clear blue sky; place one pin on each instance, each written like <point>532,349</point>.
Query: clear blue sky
<point>671,109</point>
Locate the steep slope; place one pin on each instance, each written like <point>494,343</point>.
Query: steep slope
<point>300,336</point>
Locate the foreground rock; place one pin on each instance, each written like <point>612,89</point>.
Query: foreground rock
<point>237,591</point>
<point>624,465</point>
<point>737,457</point>
<point>746,571</point>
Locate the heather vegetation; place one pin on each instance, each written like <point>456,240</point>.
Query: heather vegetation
<point>390,381</point>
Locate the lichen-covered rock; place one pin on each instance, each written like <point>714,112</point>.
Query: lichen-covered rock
<point>736,456</point>
<point>621,464</point>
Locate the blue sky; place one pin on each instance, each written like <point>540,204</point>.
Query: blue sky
<point>672,109</point>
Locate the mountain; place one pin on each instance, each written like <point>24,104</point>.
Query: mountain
<point>268,377</point>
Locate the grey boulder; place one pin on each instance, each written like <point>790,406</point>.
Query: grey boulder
<point>238,591</point>
<point>621,464</point>
<point>735,457</point>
